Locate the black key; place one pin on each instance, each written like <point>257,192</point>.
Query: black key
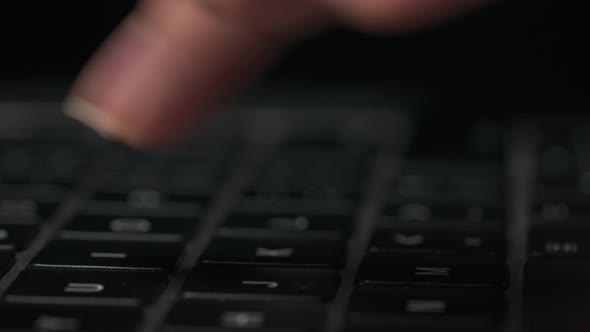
<point>271,224</point>
<point>29,202</point>
<point>559,211</point>
<point>560,241</point>
<point>189,184</point>
<point>556,295</point>
<point>149,197</point>
<point>85,288</point>
<point>395,270</point>
<point>296,206</point>
<point>66,318</point>
<point>227,282</point>
<point>108,255</point>
<point>557,164</point>
<point>152,209</point>
<point>6,260</point>
<point>560,206</point>
<point>17,235</point>
<point>426,310</point>
<point>140,228</point>
<point>298,201</point>
<point>312,173</point>
<point>448,182</point>
<point>461,214</point>
<point>416,327</point>
<point>181,178</point>
<point>440,242</point>
<point>58,165</point>
<point>18,209</point>
<point>276,251</point>
<point>195,168</point>
<point>476,137</point>
<point>245,315</point>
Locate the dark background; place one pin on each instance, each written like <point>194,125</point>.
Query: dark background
<point>526,48</point>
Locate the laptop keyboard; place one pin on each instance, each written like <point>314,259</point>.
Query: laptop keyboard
<point>335,224</point>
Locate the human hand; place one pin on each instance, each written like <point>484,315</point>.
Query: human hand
<point>173,62</point>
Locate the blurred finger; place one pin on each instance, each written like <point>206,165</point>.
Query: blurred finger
<point>173,61</point>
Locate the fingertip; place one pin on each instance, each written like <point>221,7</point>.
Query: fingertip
<point>168,67</point>
<point>92,116</point>
<point>104,123</point>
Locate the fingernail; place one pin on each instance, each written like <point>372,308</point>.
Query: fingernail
<point>104,88</point>
<point>93,116</point>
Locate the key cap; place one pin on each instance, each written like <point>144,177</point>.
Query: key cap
<point>441,182</point>
<point>560,205</point>
<point>275,251</point>
<point>17,235</point>
<point>41,164</point>
<point>426,309</point>
<point>556,295</point>
<point>204,162</point>
<point>245,315</point>
<point>108,255</point>
<point>66,318</point>
<point>386,327</point>
<point>183,183</point>
<point>559,241</point>
<point>85,288</point>
<point>463,214</point>
<point>296,201</point>
<point>416,229</point>
<point>309,173</point>
<point>557,164</point>
<point>29,202</point>
<point>180,178</point>
<point>140,228</point>
<point>560,211</point>
<point>123,209</point>
<point>6,260</point>
<point>273,224</point>
<point>232,282</point>
<point>478,138</point>
<point>439,242</point>
<point>395,270</point>
<point>296,206</point>
<point>147,197</point>
<point>173,210</point>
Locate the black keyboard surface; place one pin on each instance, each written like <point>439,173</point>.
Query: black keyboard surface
<point>478,225</point>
